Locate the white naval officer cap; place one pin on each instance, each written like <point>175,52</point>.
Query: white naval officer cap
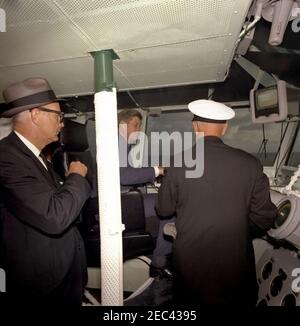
<point>210,111</point>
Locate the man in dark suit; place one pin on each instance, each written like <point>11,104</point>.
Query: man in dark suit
<point>130,121</point>
<point>129,125</point>
<point>218,214</point>
<point>43,252</point>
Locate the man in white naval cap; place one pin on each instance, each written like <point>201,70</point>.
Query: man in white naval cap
<point>218,215</point>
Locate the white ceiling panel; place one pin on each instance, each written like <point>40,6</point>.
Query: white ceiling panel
<point>160,42</point>
<point>174,57</point>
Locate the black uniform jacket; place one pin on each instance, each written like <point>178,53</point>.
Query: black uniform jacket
<point>217,215</point>
<point>39,238</point>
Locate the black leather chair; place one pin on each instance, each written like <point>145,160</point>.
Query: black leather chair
<point>74,147</point>
<point>136,241</point>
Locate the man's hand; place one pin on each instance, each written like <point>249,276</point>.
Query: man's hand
<point>77,167</point>
<point>161,170</point>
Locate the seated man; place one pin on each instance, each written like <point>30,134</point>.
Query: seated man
<point>130,123</point>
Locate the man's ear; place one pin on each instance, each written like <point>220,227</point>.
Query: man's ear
<point>195,126</point>
<point>34,115</point>
<point>224,128</point>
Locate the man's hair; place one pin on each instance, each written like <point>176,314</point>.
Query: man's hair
<point>20,117</point>
<point>128,114</point>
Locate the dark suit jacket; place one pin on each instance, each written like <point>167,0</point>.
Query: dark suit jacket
<point>130,175</point>
<point>40,240</point>
<point>216,214</point>
<point>133,176</point>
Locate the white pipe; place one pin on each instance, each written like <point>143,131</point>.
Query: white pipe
<point>257,17</point>
<point>109,198</point>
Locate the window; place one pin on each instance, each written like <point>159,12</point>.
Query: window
<point>174,123</point>
<point>243,134</point>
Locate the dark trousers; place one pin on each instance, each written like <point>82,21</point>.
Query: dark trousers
<point>163,246</point>
<point>68,293</point>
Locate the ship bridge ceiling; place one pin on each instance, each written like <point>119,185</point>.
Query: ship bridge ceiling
<point>171,51</point>
<point>282,60</point>
<point>161,43</point>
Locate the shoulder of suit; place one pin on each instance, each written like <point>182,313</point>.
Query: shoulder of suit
<point>5,144</point>
<point>244,156</point>
<point>9,147</point>
<point>7,140</point>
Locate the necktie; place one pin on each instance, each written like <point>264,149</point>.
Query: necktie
<point>43,157</point>
<point>50,168</point>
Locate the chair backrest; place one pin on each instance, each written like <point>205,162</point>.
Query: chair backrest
<point>136,241</point>
<point>75,147</point>
<point>133,214</point>
<point>74,137</point>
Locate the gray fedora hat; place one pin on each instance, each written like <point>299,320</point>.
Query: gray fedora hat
<point>27,94</point>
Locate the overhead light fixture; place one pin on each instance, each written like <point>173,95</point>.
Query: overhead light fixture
<point>279,12</point>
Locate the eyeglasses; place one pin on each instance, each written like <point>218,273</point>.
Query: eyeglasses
<point>60,114</point>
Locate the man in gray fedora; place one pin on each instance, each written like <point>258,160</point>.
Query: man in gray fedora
<point>43,252</point>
